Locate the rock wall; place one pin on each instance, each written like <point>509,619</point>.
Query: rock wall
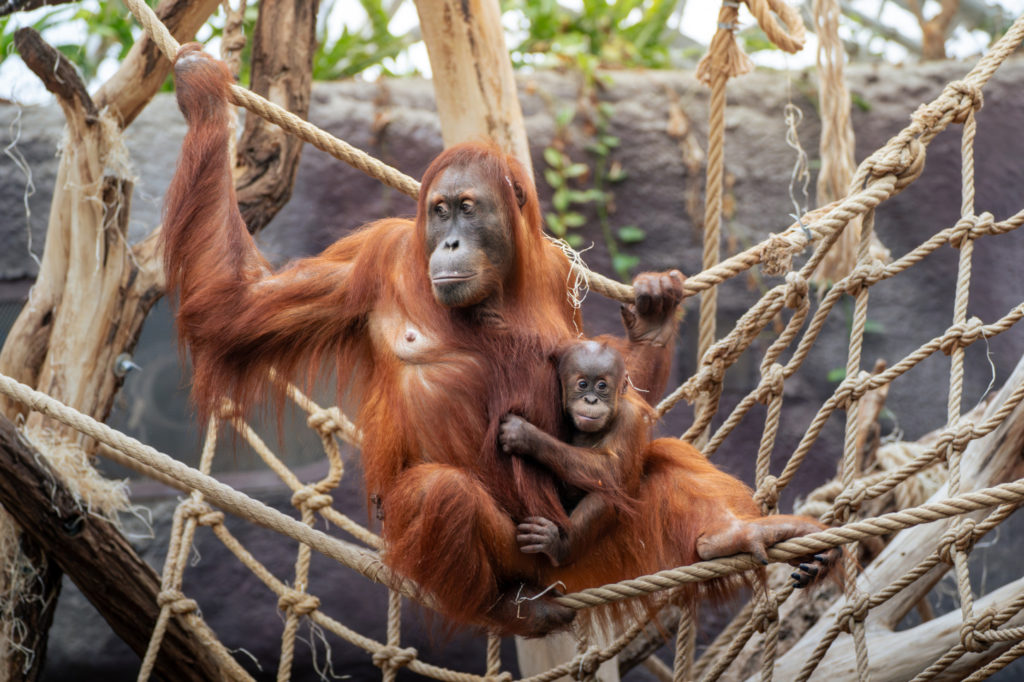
<point>396,121</point>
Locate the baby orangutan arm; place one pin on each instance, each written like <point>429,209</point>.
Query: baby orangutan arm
<point>579,467</point>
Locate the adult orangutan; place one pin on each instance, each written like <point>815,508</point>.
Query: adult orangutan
<point>437,327</point>
<point>642,506</point>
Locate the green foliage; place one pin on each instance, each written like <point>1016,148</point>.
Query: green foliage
<point>601,33</point>
<point>110,32</point>
<point>578,185</point>
<point>356,50</point>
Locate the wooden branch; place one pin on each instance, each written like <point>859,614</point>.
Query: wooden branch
<point>282,71</point>
<point>55,70</point>
<point>474,86</point>
<point>902,655</point>
<point>8,7</point>
<point>121,586</point>
<point>145,69</point>
<point>986,461</point>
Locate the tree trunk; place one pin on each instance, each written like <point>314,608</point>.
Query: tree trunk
<point>474,85</point>
<point>91,295</point>
<point>282,71</point>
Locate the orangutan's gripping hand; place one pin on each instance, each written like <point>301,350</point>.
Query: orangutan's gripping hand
<point>651,318</point>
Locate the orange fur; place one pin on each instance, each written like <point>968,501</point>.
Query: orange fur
<point>449,498</point>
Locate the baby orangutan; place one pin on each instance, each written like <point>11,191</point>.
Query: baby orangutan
<point>605,428</point>
<point>604,454</point>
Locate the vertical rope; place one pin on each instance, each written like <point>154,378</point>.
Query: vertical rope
<point>182,533</point>
<point>493,655</point>
<point>686,643</point>
<point>851,461</point>
<point>836,145</point>
<point>956,374</point>
<point>712,221</point>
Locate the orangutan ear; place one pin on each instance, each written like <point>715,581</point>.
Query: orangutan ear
<point>520,194</point>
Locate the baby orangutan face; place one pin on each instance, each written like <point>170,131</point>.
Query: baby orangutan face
<point>593,377</point>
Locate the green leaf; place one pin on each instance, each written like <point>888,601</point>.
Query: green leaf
<point>576,170</point>
<point>574,240</point>
<point>573,219</point>
<point>631,234</point>
<point>564,117</point>
<point>624,263</point>
<point>874,327</point>
<point>553,178</point>
<point>553,157</point>
<point>836,375</point>
<point>560,200</point>
<point>555,225</point>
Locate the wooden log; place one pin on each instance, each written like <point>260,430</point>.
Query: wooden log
<point>474,85</point>
<point>282,71</point>
<point>121,586</point>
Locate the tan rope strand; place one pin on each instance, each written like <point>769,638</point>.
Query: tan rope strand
<point>712,215</point>
<point>182,534</point>
<point>225,497</point>
<point>809,544</point>
<point>686,641</point>
<point>994,666</point>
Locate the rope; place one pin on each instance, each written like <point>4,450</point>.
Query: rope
<point>225,497</point>
<point>885,173</point>
<point>1007,493</point>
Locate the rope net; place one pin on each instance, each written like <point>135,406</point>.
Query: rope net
<point>994,622</point>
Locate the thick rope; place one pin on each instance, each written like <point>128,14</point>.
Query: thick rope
<point>885,173</point>
<point>1007,493</point>
<point>225,497</point>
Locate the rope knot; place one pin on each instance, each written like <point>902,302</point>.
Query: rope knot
<point>971,227</point>
<point>969,98</point>
<point>974,630</point>
<point>176,601</point>
<point>864,275</point>
<point>851,389</point>
<point>204,514</point>
<point>767,494</point>
<point>766,612</point>
<point>772,383</point>
<point>963,436</point>
<point>959,538</point>
<point>299,603</point>
<point>854,613</point>
<point>310,498</point>
<point>796,290</point>
<point>586,664</point>
<point>962,335</point>
<point>325,420</point>
<point>849,501</point>
<point>776,256</point>
<point>903,158</point>
<point>394,657</point>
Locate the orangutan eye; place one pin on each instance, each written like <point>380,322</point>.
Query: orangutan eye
<point>582,384</point>
<point>602,385</point>
<point>467,206</point>
<point>441,210</point>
